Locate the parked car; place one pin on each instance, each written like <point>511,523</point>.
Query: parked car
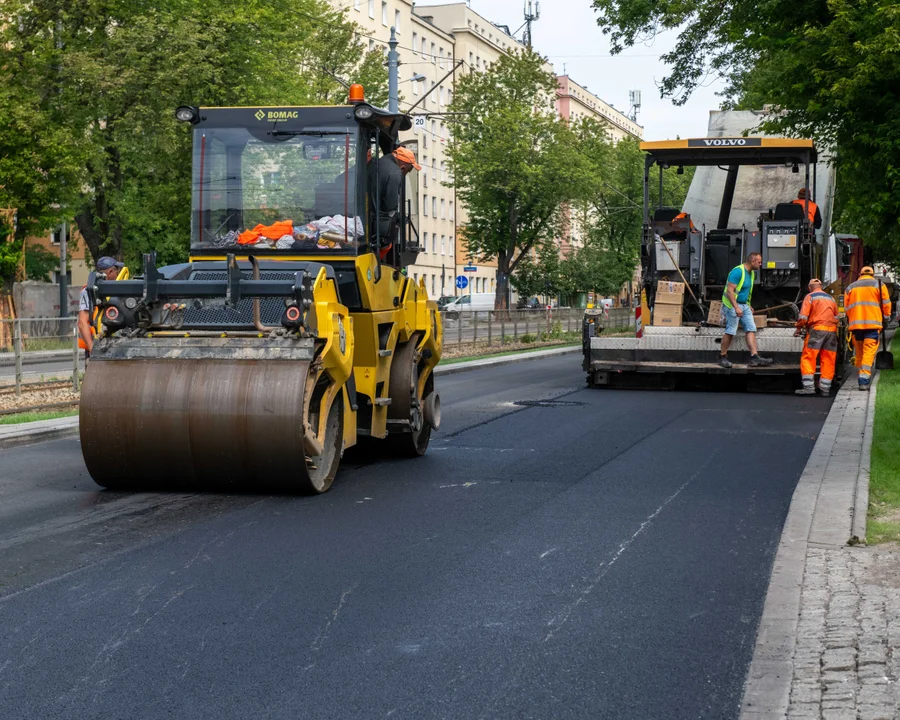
<point>469,303</point>
<point>445,300</point>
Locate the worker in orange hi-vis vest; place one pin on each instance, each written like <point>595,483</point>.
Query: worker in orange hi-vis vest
<point>108,268</point>
<point>818,318</point>
<point>868,308</point>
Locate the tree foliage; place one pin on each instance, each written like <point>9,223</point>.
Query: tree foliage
<point>514,161</point>
<point>88,91</point>
<point>831,67</point>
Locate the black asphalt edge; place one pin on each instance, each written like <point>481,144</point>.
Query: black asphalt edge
<point>32,437</point>
<point>477,364</point>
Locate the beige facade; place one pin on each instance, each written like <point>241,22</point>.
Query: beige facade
<point>574,101</point>
<point>76,252</point>
<point>426,53</point>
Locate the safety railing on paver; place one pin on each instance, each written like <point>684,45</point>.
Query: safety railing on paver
<point>38,354</point>
<point>515,328</point>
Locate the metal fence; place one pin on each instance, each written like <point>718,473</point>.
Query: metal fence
<point>501,328</point>
<point>39,353</point>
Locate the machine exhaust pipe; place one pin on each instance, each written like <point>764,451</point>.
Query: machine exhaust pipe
<point>431,408</point>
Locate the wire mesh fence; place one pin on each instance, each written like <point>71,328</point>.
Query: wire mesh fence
<point>477,329</point>
<point>39,353</point>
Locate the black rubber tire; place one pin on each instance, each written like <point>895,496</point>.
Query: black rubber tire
<point>404,381</point>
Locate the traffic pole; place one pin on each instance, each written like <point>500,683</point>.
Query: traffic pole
<point>393,73</point>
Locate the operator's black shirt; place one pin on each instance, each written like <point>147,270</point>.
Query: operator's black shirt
<point>389,182</point>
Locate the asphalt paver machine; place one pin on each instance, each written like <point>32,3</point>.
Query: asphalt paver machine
<point>293,330</point>
<point>740,202</point>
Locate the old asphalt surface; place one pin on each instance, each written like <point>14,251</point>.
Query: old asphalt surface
<point>559,553</point>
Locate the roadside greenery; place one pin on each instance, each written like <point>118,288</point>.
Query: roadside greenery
<point>530,182</point>
<point>24,417</point>
<point>830,67</point>
<point>88,92</point>
<point>884,483</point>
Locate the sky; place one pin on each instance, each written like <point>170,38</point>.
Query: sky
<point>568,35</point>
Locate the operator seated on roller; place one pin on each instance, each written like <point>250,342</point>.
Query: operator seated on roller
<point>818,318</point>
<point>814,216</point>
<point>87,314</point>
<point>385,194</point>
<point>738,311</point>
<point>868,307</point>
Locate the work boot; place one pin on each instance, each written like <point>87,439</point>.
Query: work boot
<point>864,388</point>
<point>805,391</point>
<point>724,361</point>
<point>757,361</point>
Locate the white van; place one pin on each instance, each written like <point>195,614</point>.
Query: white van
<point>469,303</point>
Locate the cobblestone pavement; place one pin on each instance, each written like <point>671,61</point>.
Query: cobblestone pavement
<point>847,657</point>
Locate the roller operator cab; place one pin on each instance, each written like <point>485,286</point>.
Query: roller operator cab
<point>742,200</point>
<point>292,332</point>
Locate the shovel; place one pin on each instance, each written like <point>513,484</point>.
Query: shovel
<point>884,360</point>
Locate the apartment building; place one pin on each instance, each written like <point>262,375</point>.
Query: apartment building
<point>478,44</point>
<point>426,56</point>
<point>574,101</point>
<point>79,261</point>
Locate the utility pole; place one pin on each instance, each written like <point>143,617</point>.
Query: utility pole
<point>63,279</point>
<point>532,13</point>
<point>393,73</point>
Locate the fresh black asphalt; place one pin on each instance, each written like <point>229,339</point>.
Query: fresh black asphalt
<point>559,553</point>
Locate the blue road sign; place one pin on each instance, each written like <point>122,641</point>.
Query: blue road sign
<point>470,268</point>
<point>462,282</point>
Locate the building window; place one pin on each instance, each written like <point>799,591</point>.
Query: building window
<point>424,45</point>
<point>471,60</point>
<point>451,210</point>
<point>441,95</point>
<point>443,206</point>
<point>431,95</point>
<point>356,5</point>
<point>415,85</point>
<point>443,171</point>
<point>441,57</point>
<point>425,205</point>
<point>424,138</point>
<point>433,284</point>
<point>425,241</point>
<point>397,21</point>
<point>449,96</point>
<point>55,236</point>
<point>443,244</point>
<point>371,44</point>
<point>434,243</point>
<point>433,53</point>
<point>433,206</point>
<point>372,9</point>
<point>415,40</point>
<point>384,12</point>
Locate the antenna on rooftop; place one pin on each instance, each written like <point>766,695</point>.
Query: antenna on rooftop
<point>634,100</point>
<point>532,13</point>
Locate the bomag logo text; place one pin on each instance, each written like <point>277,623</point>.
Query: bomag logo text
<point>275,115</point>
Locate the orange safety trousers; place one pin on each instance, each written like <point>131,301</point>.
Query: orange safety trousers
<point>821,345</point>
<point>865,350</point>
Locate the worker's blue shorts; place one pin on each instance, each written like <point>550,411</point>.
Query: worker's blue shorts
<point>745,321</point>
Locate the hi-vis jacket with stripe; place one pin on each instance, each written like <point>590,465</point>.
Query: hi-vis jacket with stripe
<point>866,307</point>
<point>819,312</point>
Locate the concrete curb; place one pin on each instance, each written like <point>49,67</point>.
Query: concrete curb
<point>861,501</point>
<point>505,360</point>
<point>32,436</point>
<point>825,511</point>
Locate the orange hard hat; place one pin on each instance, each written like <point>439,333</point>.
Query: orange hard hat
<point>405,155</point>
<point>867,270</point>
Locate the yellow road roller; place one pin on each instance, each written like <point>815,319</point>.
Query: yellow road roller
<point>292,333</point>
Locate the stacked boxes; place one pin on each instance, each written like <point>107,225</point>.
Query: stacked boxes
<point>716,315</point>
<point>669,304</point>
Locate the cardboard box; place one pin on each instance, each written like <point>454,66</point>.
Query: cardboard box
<point>666,315</point>
<point>761,321</point>
<point>670,293</point>
<point>716,313</point>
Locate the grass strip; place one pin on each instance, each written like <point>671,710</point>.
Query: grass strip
<point>467,358</point>
<point>884,482</point>
<point>27,417</point>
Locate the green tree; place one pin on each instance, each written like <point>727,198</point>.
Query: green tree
<point>514,162</point>
<point>88,90</point>
<point>539,272</point>
<point>830,66</point>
